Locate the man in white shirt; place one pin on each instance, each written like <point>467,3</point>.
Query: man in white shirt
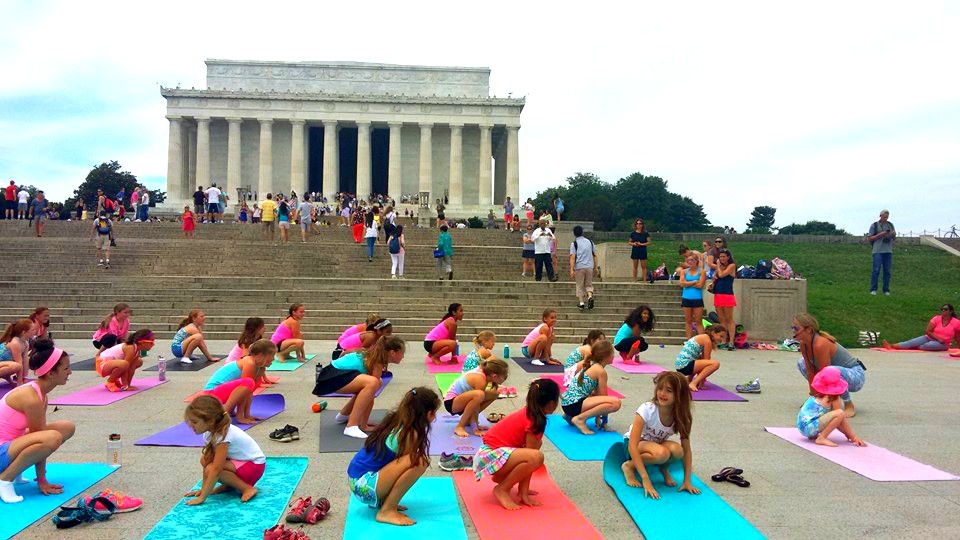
<point>542,238</point>
<point>213,203</point>
<point>583,264</point>
<point>23,197</point>
<point>144,206</point>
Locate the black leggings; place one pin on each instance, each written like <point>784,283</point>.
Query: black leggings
<point>626,344</point>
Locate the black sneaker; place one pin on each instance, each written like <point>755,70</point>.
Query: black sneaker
<point>581,306</point>
<point>285,434</point>
<point>590,303</point>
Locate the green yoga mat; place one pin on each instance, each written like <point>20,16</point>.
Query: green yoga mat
<point>77,478</point>
<point>224,516</point>
<point>676,514</point>
<point>431,502</point>
<point>445,381</point>
<point>289,365</point>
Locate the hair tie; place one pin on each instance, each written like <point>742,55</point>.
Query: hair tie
<point>413,391</point>
<point>50,363</point>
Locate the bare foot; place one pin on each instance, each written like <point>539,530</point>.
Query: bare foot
<point>503,497</point>
<point>394,518</point>
<point>629,475</point>
<point>460,432</point>
<point>195,502</point>
<point>667,479</point>
<point>248,494</point>
<point>525,499</point>
<point>129,388</point>
<point>479,431</point>
<point>582,426</point>
<point>369,427</point>
<point>220,489</point>
<point>694,388</point>
<point>849,410</point>
<point>436,361</point>
<point>887,345</point>
<point>244,420</point>
<point>825,442</point>
<point>401,508</point>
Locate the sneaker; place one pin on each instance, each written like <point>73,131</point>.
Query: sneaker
<point>285,434</point>
<point>590,303</point>
<point>454,462</point>
<point>186,360</point>
<point>123,503</point>
<point>874,293</point>
<point>581,306</point>
<point>393,276</point>
<point>537,362</point>
<point>752,387</point>
<point>100,263</point>
<point>886,293</point>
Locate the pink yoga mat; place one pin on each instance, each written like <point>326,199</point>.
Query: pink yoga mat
<point>446,368</point>
<point>874,462</point>
<point>881,349</point>
<point>642,367</point>
<point>98,394</point>
<point>559,380</point>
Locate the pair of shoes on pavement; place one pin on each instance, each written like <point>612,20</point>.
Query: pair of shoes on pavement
<point>305,511</point>
<point>752,387</point>
<point>280,532</point>
<point>285,434</point>
<point>122,503</point>
<point>455,462</point>
<point>507,391</point>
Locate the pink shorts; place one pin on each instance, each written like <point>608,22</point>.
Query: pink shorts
<point>222,392</point>
<point>249,471</point>
<point>724,300</point>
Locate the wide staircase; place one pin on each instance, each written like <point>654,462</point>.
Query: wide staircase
<point>231,273</point>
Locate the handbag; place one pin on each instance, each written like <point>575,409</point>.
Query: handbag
<point>438,253</point>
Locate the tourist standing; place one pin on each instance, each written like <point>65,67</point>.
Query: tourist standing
<point>528,210</point>
<point>23,197</point>
<point>135,200</point>
<point>199,203</point>
<point>283,220</point>
<point>508,214</point>
<point>189,222</point>
<point>881,236</point>
<point>389,223</point>
<point>304,217</point>
<point>103,230</point>
<point>268,214</point>
<point>40,206</point>
<point>256,214</point>
<point>444,254</point>
<point>639,240</point>
<point>441,216</point>
<point>10,200</point>
<point>692,279</point>
<point>371,232</point>
<point>397,247</point>
<point>542,256</point>
<point>558,207</point>
<point>144,205</point>
<point>723,297</point>
<point>213,203</point>
<point>583,264</point>
<point>528,253</point>
<point>358,219</point>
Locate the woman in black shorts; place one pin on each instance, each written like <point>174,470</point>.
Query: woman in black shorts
<point>639,240</point>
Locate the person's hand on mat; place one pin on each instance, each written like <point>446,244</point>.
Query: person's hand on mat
<point>857,441</point>
<point>689,488</point>
<point>648,490</point>
<point>554,362</point>
<point>49,489</point>
<point>195,502</point>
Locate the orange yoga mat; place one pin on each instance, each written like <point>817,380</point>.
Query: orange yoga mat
<point>558,517</point>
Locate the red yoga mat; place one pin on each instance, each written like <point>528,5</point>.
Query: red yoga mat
<point>558,517</point>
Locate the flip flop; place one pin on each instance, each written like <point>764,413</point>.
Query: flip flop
<point>737,479</point>
<point>724,473</point>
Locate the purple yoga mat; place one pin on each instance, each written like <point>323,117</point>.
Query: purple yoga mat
<point>4,388</point>
<point>263,406</point>
<point>384,380</point>
<point>442,438</point>
<point>642,367</point>
<point>453,367</point>
<point>712,392</point>
<point>98,394</point>
<point>874,462</point>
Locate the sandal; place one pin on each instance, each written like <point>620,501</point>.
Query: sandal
<point>299,509</point>
<point>495,417</point>
<point>724,473</point>
<point>317,512</point>
<point>737,479</point>
<point>71,516</point>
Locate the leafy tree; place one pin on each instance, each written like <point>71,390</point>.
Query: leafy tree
<point>761,220</point>
<point>813,227</point>
<point>108,177</point>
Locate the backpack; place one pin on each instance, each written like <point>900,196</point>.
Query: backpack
<point>746,272</point>
<point>108,204</point>
<point>394,245</point>
<point>764,267</point>
<point>103,226</point>
<point>660,272</point>
<point>781,269</point>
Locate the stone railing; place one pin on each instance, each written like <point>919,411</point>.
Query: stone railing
<point>694,239</point>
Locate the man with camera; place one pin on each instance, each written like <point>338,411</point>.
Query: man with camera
<point>881,236</point>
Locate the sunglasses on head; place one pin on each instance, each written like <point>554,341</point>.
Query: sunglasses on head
<point>795,328</point>
<point>944,309</point>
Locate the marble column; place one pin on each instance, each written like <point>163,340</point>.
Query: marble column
<point>513,163</point>
<point>486,197</point>
<point>456,165</point>
<point>266,157</point>
<point>364,180</point>
<point>233,157</point>
<point>191,180</point>
<point>203,151</point>
<point>298,180</point>
<point>395,185</point>
<point>331,159</point>
<point>175,161</point>
<point>426,158</point>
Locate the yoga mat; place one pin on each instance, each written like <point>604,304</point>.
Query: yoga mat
<point>712,392</point>
<point>642,367</point>
<point>676,514</point>
<point>525,364</point>
<point>264,406</point>
<point>577,446</point>
<point>333,440</point>
<point>174,364</point>
<point>874,462</point>
<point>456,367</point>
<point>559,380</point>
<point>558,517</point>
<point>224,516</point>
<point>384,381</point>
<point>431,502</point>
<point>445,381</point>
<point>442,438</point>
<point>951,351</point>
<point>289,365</point>
<point>4,388</point>
<point>84,365</point>
<point>98,394</point>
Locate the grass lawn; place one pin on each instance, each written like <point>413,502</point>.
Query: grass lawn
<point>838,277</point>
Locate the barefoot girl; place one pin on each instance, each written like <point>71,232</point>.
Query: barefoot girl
<point>656,421</point>
<point>510,452</point>
<point>482,349</point>
<point>355,329</point>
<point>586,394</point>
<point>120,362</point>
<point>113,328</point>
<point>359,374</point>
<point>539,342</point>
<point>189,337</point>
<point>583,351</point>
<point>14,345</point>
<point>366,339</point>
<point>252,331</point>
<point>442,339</point>
<point>693,360</point>
<point>233,384</point>
<point>230,456</point>
<point>692,279</point>
<point>395,456</point>
<point>629,340</point>
<point>822,413</point>
<point>26,438</point>
<point>287,337</point>
<point>473,392</point>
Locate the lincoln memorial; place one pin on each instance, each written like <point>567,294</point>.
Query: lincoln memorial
<point>354,127</point>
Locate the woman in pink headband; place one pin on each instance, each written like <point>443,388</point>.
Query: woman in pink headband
<point>26,438</point>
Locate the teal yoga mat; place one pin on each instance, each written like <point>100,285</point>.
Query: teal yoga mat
<point>224,516</point>
<point>76,479</point>
<point>431,502</point>
<point>577,446</point>
<point>289,365</point>
<point>675,514</point>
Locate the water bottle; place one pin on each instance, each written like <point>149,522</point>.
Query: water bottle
<point>161,368</point>
<point>114,446</point>
<point>319,369</point>
<point>456,350</point>
<point>506,352</point>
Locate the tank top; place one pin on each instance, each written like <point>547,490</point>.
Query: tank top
<point>577,392</point>
<point>352,342</point>
<point>460,386</point>
<point>13,423</point>
<point>179,337</point>
<point>352,361</point>
<point>532,335</point>
<point>226,373</point>
<point>113,353</point>
<point>723,285</point>
<point>439,332</point>
<point>692,293</point>
<point>236,353</point>
<point>623,333</point>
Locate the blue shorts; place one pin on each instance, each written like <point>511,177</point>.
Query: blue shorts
<point>213,208</point>
<point>365,488</point>
<point>177,350</point>
<point>5,456</point>
<point>525,351</point>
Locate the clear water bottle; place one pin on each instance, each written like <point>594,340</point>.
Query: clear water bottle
<point>161,368</point>
<point>114,447</point>
<point>506,352</point>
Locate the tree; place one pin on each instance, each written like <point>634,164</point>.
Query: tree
<point>108,177</point>
<point>761,220</point>
<point>813,227</point>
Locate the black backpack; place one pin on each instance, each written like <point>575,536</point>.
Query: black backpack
<point>394,246</point>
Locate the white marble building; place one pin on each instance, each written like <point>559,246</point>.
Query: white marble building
<point>345,126</point>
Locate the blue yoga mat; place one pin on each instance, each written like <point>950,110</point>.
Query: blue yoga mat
<point>224,516</point>
<point>76,479</point>
<point>577,446</point>
<point>675,514</point>
<point>431,502</point>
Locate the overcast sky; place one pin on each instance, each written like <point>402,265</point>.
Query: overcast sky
<point>823,110</point>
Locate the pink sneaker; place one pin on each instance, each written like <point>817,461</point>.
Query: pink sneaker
<point>124,503</point>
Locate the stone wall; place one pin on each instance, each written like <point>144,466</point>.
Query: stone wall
<point>694,239</point>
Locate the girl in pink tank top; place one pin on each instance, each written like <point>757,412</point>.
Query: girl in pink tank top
<point>442,339</point>
<point>288,337</point>
<point>539,342</point>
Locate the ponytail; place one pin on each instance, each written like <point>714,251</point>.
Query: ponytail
<point>377,354</point>
<point>486,335</point>
<point>192,316</point>
<point>117,309</point>
<point>593,336</point>
<point>540,394</point>
<point>451,311</point>
<point>599,352</point>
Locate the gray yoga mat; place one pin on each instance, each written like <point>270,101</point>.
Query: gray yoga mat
<point>525,364</point>
<point>174,364</point>
<point>84,365</point>
<point>333,440</point>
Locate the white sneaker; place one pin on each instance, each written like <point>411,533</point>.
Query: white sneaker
<point>186,360</point>
<point>341,418</point>
<point>874,293</point>
<point>355,432</point>
<point>393,276</point>
<point>538,362</point>
<point>886,293</point>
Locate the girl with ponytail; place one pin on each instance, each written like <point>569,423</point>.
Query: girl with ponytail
<point>586,394</point>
